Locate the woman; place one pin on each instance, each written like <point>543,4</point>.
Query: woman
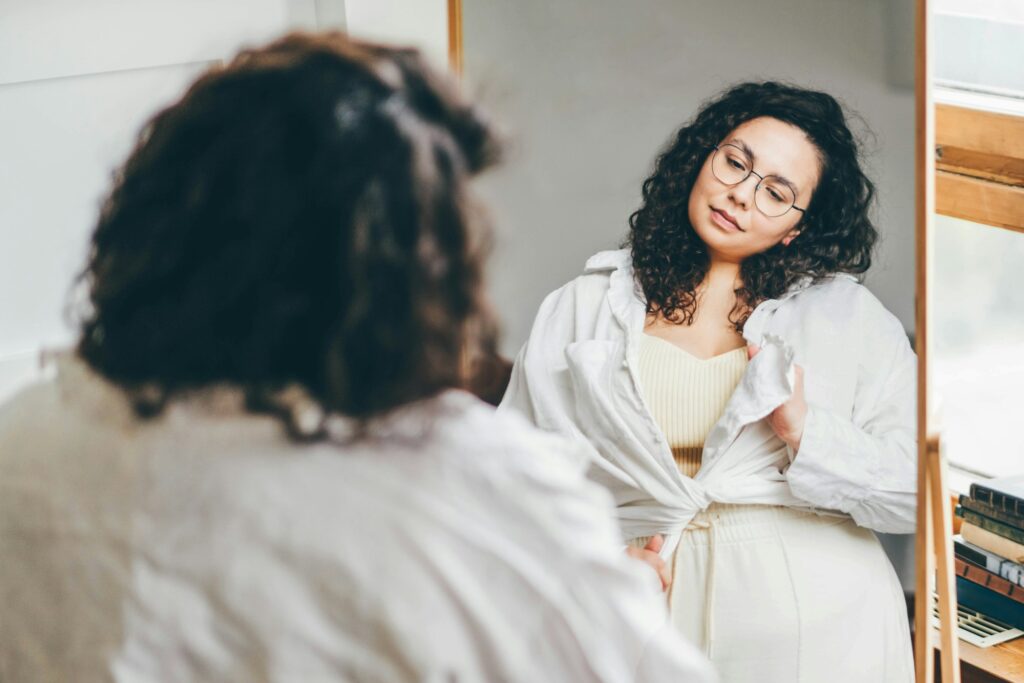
<point>749,405</point>
<point>258,465</point>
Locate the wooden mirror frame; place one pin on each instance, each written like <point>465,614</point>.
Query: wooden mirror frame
<point>933,544</point>
<point>455,35</point>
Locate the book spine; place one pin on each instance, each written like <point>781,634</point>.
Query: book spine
<point>997,499</point>
<point>970,554</point>
<point>993,582</point>
<point>994,543</point>
<point>995,513</point>
<point>1011,571</point>
<point>989,603</point>
<point>1004,530</point>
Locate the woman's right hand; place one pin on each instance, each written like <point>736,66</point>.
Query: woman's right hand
<point>649,555</point>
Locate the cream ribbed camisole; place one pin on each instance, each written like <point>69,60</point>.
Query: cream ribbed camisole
<point>686,394</point>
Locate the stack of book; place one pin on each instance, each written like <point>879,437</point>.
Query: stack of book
<point>990,550</point>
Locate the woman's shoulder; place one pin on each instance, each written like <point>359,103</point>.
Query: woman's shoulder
<point>844,300</point>
<point>68,393</point>
<point>597,275</point>
<point>501,451</point>
<point>841,290</point>
<point>472,426</point>
<point>577,307</point>
<point>608,261</point>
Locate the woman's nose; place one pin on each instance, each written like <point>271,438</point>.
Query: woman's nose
<point>743,193</point>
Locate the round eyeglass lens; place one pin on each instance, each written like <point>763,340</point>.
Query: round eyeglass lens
<point>772,197</point>
<point>730,165</point>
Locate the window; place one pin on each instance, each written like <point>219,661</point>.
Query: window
<point>978,345</point>
<point>978,284</point>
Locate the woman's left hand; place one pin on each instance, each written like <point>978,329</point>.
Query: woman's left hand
<point>787,421</point>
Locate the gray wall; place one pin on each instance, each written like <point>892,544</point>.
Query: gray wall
<point>588,91</point>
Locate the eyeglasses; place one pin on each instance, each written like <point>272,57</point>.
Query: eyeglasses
<point>773,196</point>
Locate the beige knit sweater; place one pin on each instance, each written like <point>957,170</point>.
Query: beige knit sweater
<point>687,394</point>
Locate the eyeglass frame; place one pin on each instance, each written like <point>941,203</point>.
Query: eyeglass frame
<point>751,172</point>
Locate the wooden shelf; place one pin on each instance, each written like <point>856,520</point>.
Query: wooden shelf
<point>996,664</point>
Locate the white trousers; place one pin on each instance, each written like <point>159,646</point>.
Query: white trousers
<point>780,595</point>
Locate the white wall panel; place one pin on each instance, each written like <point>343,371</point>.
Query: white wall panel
<point>62,141</point>
<point>77,81</point>
<point>58,38</point>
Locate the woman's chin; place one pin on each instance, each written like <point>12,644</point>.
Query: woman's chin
<point>716,237</point>
<point>725,246</point>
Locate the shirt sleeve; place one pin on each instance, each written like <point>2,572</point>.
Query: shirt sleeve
<point>540,388</point>
<point>866,464</point>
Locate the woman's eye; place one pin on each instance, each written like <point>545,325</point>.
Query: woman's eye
<point>737,164</point>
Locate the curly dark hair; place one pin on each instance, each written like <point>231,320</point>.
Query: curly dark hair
<point>837,234</point>
<point>299,218</point>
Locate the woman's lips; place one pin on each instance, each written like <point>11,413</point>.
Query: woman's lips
<point>723,221</point>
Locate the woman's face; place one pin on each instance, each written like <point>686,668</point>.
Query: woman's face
<point>726,217</point>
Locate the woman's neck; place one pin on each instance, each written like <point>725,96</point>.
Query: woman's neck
<point>711,330</point>
<point>722,277</point>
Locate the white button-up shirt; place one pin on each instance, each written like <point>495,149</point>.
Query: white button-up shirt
<point>204,545</point>
<point>577,376</point>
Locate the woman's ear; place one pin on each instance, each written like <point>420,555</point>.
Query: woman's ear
<point>790,236</point>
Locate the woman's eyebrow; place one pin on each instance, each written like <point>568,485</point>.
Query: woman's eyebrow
<point>786,181</point>
<point>750,153</point>
<point>745,147</point>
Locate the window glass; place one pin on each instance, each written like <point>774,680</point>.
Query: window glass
<point>978,345</point>
<point>981,46</point>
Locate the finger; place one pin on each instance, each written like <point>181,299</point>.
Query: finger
<point>661,567</point>
<point>654,545</point>
<point>654,561</point>
<point>752,350</point>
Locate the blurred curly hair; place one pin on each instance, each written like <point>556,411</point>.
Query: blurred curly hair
<point>837,234</point>
<point>299,218</point>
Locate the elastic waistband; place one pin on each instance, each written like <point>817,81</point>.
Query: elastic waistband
<point>747,522</point>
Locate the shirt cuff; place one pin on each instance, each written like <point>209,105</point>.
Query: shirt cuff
<point>817,472</point>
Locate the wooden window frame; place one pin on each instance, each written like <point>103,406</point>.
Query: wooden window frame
<point>979,166</point>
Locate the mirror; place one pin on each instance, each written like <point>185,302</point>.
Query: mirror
<point>590,94</point>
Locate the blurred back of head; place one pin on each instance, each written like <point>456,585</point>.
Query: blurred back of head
<point>299,218</point>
